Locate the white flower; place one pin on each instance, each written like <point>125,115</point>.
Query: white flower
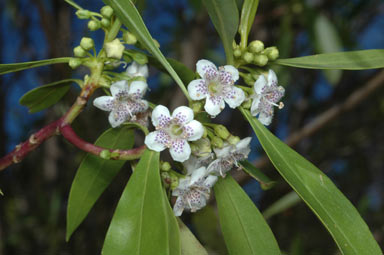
<point>135,70</point>
<point>216,86</point>
<point>228,157</point>
<point>266,95</point>
<point>174,131</point>
<point>125,101</point>
<point>194,163</point>
<point>193,191</point>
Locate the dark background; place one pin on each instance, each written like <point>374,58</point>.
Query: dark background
<point>342,135</point>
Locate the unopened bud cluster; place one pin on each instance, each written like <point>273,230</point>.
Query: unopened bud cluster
<point>97,20</point>
<point>255,53</point>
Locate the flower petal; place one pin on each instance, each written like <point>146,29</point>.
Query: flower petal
<point>119,87</point>
<point>161,116</point>
<point>138,88</point>
<point>214,105</point>
<point>182,115</point>
<point>234,97</point>
<point>223,152</point>
<point>265,119</point>
<point>233,71</point>
<point>116,118</point>
<point>143,71</point>
<point>243,143</point>
<point>198,175</point>
<point>180,150</point>
<point>194,130</point>
<point>210,181</point>
<point>179,206</point>
<point>259,84</point>
<point>104,103</point>
<point>272,78</point>
<point>198,89</point>
<point>156,140</point>
<point>182,186</point>
<point>255,105</point>
<point>135,69</point>
<point>206,69</point>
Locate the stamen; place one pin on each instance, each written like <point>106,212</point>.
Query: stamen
<point>281,105</point>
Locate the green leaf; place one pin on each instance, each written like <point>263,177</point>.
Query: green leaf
<point>264,181</point>
<point>225,17</point>
<point>143,222</point>
<point>126,11</point>
<point>94,175</point>
<point>289,200</point>
<point>1,192</point>
<point>327,41</point>
<point>248,12</point>
<point>189,244</point>
<point>244,228</point>
<point>350,60</point>
<point>45,96</point>
<point>333,209</point>
<point>9,68</point>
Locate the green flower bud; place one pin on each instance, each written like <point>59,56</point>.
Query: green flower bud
<point>247,57</point>
<point>87,43</point>
<point>93,25</point>
<point>165,166</point>
<point>105,154</point>
<point>79,52</point>
<point>174,180</point>
<point>232,139</point>
<point>114,49</point>
<point>129,38</point>
<point>217,142</point>
<point>202,147</point>
<point>106,11</point>
<point>197,107</point>
<point>260,60</point>
<point>247,104</point>
<point>105,23</point>
<point>83,14</point>
<point>166,179</point>
<point>234,45</point>
<point>248,79</point>
<point>237,53</point>
<point>272,53</point>
<point>221,131</point>
<point>140,58</point>
<point>256,46</point>
<point>74,63</point>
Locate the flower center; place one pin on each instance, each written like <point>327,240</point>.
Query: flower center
<point>213,87</point>
<point>176,130</point>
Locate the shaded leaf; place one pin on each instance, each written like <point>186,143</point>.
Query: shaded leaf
<point>126,11</point>
<point>244,228</point>
<point>287,201</point>
<point>248,12</point>
<point>94,175</point>
<point>264,181</point>
<point>333,209</point>
<point>9,68</point>
<point>143,222</point>
<point>45,96</point>
<point>349,60</point>
<point>225,17</point>
<point>189,244</point>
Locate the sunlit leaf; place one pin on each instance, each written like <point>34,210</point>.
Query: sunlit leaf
<point>244,228</point>
<point>334,210</point>
<point>264,181</point>
<point>248,12</point>
<point>143,222</point>
<point>45,96</point>
<point>189,244</point>
<point>126,11</point>
<point>9,68</point>
<point>94,175</point>
<point>287,201</point>
<point>225,17</point>
<point>349,60</point>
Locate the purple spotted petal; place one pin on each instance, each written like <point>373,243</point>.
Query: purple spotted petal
<point>206,69</point>
<point>104,103</point>
<point>161,117</point>
<point>180,150</point>
<point>198,89</point>
<point>182,115</point>
<point>157,140</point>
<point>194,130</point>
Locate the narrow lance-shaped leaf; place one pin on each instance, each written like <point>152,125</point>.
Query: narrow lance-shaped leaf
<point>189,244</point>
<point>334,210</point>
<point>248,12</point>
<point>244,228</point>
<point>45,96</point>
<point>94,175</point>
<point>264,181</point>
<point>287,201</point>
<point>9,68</point>
<point>126,11</point>
<point>349,60</point>
<point>143,222</point>
<point>225,17</point>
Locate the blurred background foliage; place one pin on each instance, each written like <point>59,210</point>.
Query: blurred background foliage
<point>348,146</point>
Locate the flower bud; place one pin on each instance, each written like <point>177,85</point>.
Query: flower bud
<point>165,166</point>
<point>140,58</point>
<point>106,11</point>
<point>247,104</point>
<point>202,147</point>
<point>74,63</point>
<point>272,53</point>
<point>105,154</point>
<point>105,23</point>
<point>129,38</point>
<point>237,53</point>
<point>174,180</point>
<point>232,139</point>
<point>166,179</point>
<point>83,14</point>
<point>217,142</point>
<point>87,43</point>
<point>256,46</point>
<point>114,49</point>
<point>79,52</point>
<point>93,25</point>
<point>196,107</point>
<point>247,57</point>
<point>260,60</point>
<point>221,131</point>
